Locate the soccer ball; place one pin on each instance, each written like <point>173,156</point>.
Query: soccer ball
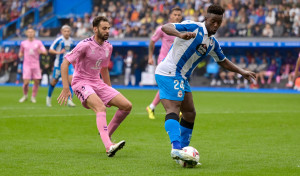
<point>192,152</point>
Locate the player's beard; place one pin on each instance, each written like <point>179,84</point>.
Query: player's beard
<point>102,37</point>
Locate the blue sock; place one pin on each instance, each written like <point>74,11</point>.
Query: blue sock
<point>18,76</point>
<point>176,145</point>
<point>173,129</point>
<point>186,129</point>
<point>50,90</point>
<point>71,90</point>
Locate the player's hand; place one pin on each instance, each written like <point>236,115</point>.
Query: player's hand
<point>150,60</point>
<point>187,35</point>
<point>249,75</point>
<point>64,95</point>
<point>62,51</point>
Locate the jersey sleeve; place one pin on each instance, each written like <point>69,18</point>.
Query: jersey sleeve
<point>157,35</point>
<point>42,47</point>
<point>55,44</point>
<point>217,52</point>
<point>76,53</point>
<point>106,61</point>
<point>185,26</point>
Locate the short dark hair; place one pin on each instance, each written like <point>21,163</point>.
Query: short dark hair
<point>98,19</point>
<point>176,9</point>
<point>215,9</point>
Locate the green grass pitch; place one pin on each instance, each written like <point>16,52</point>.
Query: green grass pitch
<point>235,134</point>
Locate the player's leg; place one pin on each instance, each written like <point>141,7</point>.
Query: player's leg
<point>95,103</point>
<point>55,78</point>
<point>27,76</point>
<point>150,109</point>
<point>50,91</point>
<point>172,121</point>
<point>25,90</point>
<point>261,76</point>
<point>36,76</point>
<point>124,106</point>
<point>70,77</point>
<point>35,88</point>
<point>187,121</point>
<point>270,75</point>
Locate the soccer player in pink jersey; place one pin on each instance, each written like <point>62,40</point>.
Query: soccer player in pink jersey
<point>91,57</point>
<point>31,50</point>
<point>167,41</point>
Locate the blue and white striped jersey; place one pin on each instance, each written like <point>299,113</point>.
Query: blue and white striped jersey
<point>59,44</point>
<point>185,55</point>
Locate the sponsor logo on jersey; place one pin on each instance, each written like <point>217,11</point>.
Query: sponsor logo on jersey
<point>97,65</point>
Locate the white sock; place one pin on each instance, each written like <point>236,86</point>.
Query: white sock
<point>152,106</point>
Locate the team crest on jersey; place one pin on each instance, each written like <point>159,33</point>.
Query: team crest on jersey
<point>211,42</point>
<point>180,94</point>
<point>106,53</point>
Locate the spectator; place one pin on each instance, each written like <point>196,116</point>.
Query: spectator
<point>242,27</point>
<point>269,73</point>
<point>270,19</point>
<point>278,29</point>
<point>82,32</point>
<point>232,26</point>
<point>129,68</point>
<point>256,31</point>
<point>268,31</point>
<point>44,32</point>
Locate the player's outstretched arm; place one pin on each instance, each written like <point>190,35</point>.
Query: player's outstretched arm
<point>171,30</point>
<point>227,64</point>
<point>150,52</point>
<point>65,93</point>
<point>52,51</point>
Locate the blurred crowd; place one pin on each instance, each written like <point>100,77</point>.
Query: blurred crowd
<point>139,18</point>
<point>243,18</point>
<point>269,69</point>
<point>273,69</point>
<point>12,9</point>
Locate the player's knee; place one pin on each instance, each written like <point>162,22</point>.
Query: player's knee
<point>100,108</point>
<point>128,106</point>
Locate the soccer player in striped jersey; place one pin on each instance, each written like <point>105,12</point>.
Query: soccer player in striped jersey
<point>167,41</point>
<point>60,47</point>
<point>31,50</point>
<point>193,42</point>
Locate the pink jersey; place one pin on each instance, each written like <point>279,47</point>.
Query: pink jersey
<point>88,57</point>
<point>167,42</point>
<point>31,53</point>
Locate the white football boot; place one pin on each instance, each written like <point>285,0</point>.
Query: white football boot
<point>70,103</point>
<point>33,100</point>
<point>177,154</point>
<point>24,98</point>
<point>48,101</point>
<point>114,148</point>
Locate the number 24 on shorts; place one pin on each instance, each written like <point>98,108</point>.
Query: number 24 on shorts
<point>181,85</point>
